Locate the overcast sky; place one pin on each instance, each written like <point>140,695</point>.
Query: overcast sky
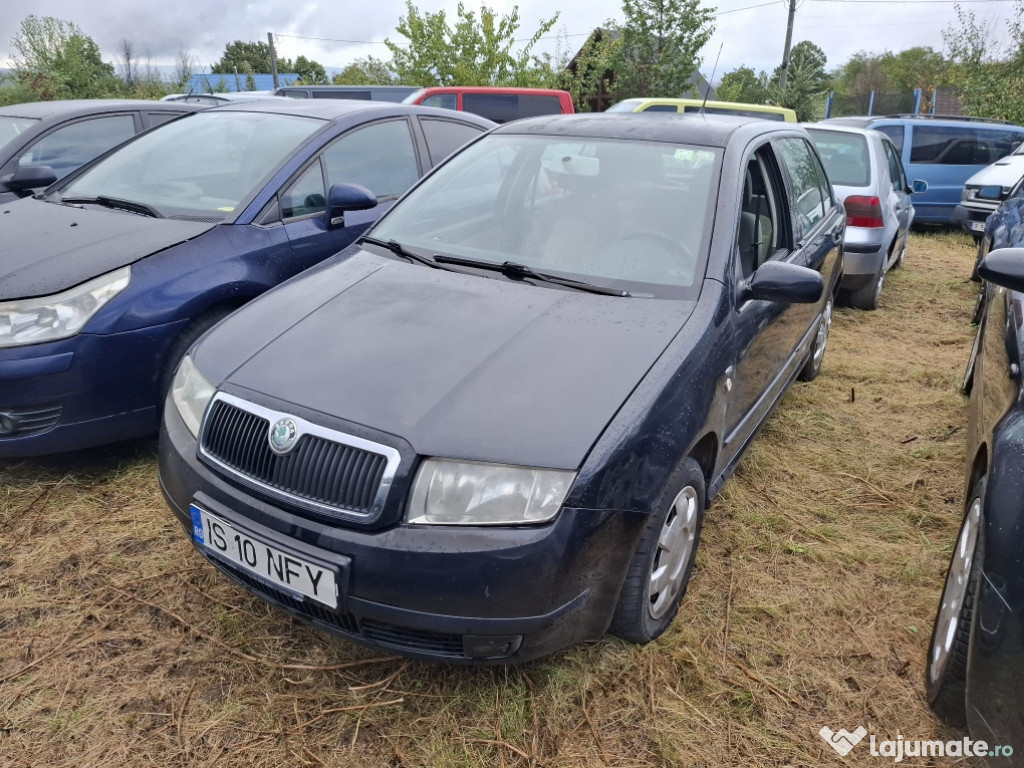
<point>751,36</point>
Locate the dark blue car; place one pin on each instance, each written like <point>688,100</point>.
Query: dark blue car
<point>490,428</point>
<point>108,277</point>
<point>974,674</point>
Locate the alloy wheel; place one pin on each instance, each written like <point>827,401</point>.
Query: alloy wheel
<point>821,341</point>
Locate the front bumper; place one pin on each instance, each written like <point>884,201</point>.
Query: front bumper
<point>88,390</point>
<point>453,594</point>
<point>971,219</point>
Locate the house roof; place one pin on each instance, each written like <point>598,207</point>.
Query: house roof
<point>209,82</point>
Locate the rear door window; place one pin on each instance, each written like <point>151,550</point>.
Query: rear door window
<point>446,136</point>
<point>380,156</point>
<point>71,146</point>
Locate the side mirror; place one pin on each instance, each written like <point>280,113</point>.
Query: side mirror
<point>784,283</point>
<point>917,186</point>
<point>1005,267</point>
<point>990,192</point>
<point>347,197</point>
<point>31,177</point>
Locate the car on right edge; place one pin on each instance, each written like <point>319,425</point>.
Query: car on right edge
<point>974,675</point>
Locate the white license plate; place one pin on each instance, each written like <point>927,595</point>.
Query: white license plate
<point>281,569</point>
<point>978,226</point>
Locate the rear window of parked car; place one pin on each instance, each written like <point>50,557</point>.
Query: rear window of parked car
<point>845,156</point>
<point>967,145</point>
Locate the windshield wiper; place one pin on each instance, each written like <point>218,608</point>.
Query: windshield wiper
<point>514,269</point>
<point>117,203</point>
<point>400,250</point>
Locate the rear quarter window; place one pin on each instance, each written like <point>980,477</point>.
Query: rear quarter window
<point>503,107</point>
<point>961,145</point>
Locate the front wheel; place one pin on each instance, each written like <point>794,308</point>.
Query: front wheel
<point>660,570</point>
<point>812,367</point>
<point>946,672</point>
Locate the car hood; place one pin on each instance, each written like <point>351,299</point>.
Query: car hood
<point>458,365</point>
<point>1005,172</point>
<point>46,248</point>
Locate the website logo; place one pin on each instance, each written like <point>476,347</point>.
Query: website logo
<point>842,741</point>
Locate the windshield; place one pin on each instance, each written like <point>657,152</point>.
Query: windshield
<point>12,127</point>
<point>631,215</point>
<point>204,164</point>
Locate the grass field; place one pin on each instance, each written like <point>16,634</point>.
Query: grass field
<point>816,585</point>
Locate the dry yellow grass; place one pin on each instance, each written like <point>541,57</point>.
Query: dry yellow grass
<point>812,604</point>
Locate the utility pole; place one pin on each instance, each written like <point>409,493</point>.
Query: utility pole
<point>273,55</point>
<point>789,43</point>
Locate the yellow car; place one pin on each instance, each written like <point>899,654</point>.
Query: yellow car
<point>765,111</point>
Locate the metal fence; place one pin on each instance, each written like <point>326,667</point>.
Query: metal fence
<point>875,103</point>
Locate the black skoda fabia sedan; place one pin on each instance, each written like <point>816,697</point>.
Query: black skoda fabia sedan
<point>490,428</point>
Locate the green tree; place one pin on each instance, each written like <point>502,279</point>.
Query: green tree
<point>655,51</point>
<point>368,71</point>
<point>989,76</point>
<point>475,50</point>
<point>55,59</point>
<point>310,72</point>
<point>248,57</point>
<point>806,84</point>
<point>743,85</point>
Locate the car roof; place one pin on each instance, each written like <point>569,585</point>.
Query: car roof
<point>489,89</point>
<point>336,109</point>
<point>864,121</point>
<point>41,110</point>
<point>704,129</point>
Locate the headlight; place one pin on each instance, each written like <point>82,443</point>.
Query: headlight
<point>470,493</point>
<point>32,321</point>
<point>965,193</point>
<point>191,393</point>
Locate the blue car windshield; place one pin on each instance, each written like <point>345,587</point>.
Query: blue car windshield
<point>204,164</point>
<point>632,215</point>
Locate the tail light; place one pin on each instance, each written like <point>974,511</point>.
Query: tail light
<point>863,211</point>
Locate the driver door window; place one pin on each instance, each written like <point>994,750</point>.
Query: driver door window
<point>759,232</point>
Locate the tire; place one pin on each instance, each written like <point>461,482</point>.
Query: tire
<point>867,298</point>
<point>948,649</point>
<point>659,572</point>
<point>189,336</point>
<point>812,367</point>
<point>903,252</point>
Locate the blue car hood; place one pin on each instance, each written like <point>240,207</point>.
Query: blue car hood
<point>46,248</point>
<point>458,365</point>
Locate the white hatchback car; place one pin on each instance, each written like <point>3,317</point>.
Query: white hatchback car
<point>867,176</point>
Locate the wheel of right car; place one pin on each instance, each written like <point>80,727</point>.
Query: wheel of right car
<point>663,560</point>
<point>946,670</point>
<point>867,298</point>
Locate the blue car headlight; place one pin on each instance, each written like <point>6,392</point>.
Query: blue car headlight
<point>60,316</point>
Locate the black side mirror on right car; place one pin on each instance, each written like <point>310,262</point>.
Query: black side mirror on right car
<point>1004,267</point>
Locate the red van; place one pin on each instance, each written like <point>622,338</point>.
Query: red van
<point>498,104</point>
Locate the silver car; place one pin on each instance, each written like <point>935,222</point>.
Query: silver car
<point>867,176</point>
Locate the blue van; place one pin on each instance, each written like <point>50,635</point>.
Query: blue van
<point>944,151</point>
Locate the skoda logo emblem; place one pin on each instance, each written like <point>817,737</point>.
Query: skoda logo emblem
<point>284,434</point>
